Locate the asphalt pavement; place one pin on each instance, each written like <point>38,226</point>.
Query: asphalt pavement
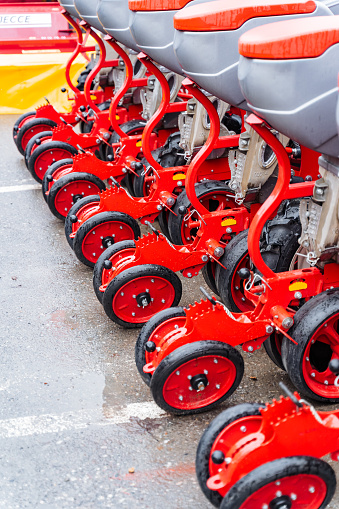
<point>78,427</point>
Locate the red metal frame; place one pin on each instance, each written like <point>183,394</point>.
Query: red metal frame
<point>284,430</point>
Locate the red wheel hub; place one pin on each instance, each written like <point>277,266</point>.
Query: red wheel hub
<point>97,239</point>
<point>107,274</point>
<point>199,382</point>
<point>299,491</point>
<point>71,193</point>
<point>64,170</point>
<point>32,132</point>
<point>228,437</point>
<point>237,287</point>
<point>44,161</point>
<point>83,214</point>
<point>131,304</point>
<point>212,202</point>
<point>321,348</point>
<point>162,333</point>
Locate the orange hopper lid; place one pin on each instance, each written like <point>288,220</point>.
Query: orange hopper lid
<point>230,15</point>
<point>157,5</point>
<point>296,38</point>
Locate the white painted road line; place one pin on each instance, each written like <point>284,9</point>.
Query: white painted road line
<point>69,421</point>
<point>15,189</point>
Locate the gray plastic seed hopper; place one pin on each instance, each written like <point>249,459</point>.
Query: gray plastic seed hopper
<point>211,33</point>
<point>114,17</point>
<point>68,5</point>
<point>294,86</point>
<point>87,10</point>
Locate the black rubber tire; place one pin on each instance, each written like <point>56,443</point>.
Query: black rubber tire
<point>307,321</point>
<point>208,272</point>
<point>29,125</point>
<point>131,127</point>
<point>50,145</point>
<point>145,334</point>
<point>278,246</point>
<point>273,471</point>
<point>74,211</point>
<point>51,170</point>
<point>139,182</point>
<point>175,221</point>
<point>180,356</point>
<point>94,221</point>
<point>207,440</point>
<point>99,266</point>
<point>136,273</point>
<point>66,179</point>
<point>19,120</point>
<point>163,222</point>
<point>31,144</point>
<point>270,345</point>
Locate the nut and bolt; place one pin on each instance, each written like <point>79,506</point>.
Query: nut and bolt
<point>298,295</point>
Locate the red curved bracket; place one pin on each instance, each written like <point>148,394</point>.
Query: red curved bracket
<point>161,111</point>
<point>273,201</point>
<point>75,53</point>
<point>203,153</point>
<point>123,89</point>
<point>97,68</point>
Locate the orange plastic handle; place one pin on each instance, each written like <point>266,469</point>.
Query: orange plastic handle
<point>297,38</point>
<point>230,15</point>
<point>157,5</point>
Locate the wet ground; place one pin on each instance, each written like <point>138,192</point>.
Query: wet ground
<point>78,427</point>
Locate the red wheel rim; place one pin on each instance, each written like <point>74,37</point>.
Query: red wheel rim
<point>303,490</point>
<point>64,170</point>
<point>162,333</point>
<point>107,274</point>
<point>125,302</point>
<point>179,393</point>
<point>100,237</point>
<point>212,202</point>
<point>237,287</point>
<point>48,157</point>
<point>229,436</point>
<point>318,353</point>
<point>32,132</point>
<point>71,193</point>
<point>22,123</point>
<point>87,211</point>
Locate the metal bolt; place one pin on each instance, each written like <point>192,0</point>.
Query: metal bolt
<point>122,294</point>
<point>134,296</point>
<point>313,375</point>
<point>250,348</point>
<point>204,258</point>
<point>215,361</point>
<point>287,322</point>
<point>147,290</point>
<point>326,382</point>
<point>269,329</point>
<point>243,429</point>
<point>218,252</point>
<point>217,386</point>
<point>307,358</point>
<point>243,299</point>
<point>163,301</point>
<point>293,496</point>
<point>265,506</point>
<point>189,377</point>
<point>93,254</point>
<point>181,398</point>
<point>237,287</point>
<point>176,326</point>
<point>278,494</point>
<point>177,372</point>
<point>65,190</point>
<point>190,388</point>
<point>205,372</point>
<point>228,461</point>
<point>179,183</point>
<point>120,227</point>
<point>228,230</point>
<point>311,489</point>
<point>189,274</point>
<point>152,280</point>
<point>298,295</point>
<point>159,207</point>
<point>133,314</point>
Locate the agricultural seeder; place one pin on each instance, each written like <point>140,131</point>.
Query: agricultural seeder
<point>235,154</point>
